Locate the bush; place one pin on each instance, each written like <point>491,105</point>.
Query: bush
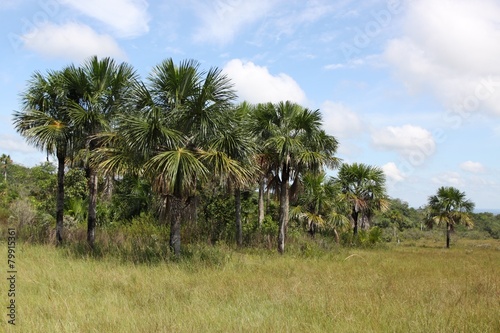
<point>363,239</point>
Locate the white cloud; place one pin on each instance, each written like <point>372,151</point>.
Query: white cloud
<point>222,20</point>
<point>332,67</point>
<point>451,48</point>
<point>340,121</point>
<point>392,172</point>
<point>449,179</point>
<point>11,143</point>
<point>406,140</point>
<point>372,60</point>
<point>474,167</point>
<point>256,85</point>
<point>127,18</point>
<point>73,41</point>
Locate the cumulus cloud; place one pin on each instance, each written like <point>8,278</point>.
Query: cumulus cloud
<point>451,48</point>
<point>255,84</point>
<point>406,140</point>
<point>127,18</point>
<point>73,41</point>
<point>340,121</point>
<point>222,20</point>
<point>392,172</point>
<point>449,179</point>
<point>474,167</point>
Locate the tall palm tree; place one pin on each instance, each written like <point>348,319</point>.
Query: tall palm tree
<point>363,189</point>
<point>99,89</point>
<point>46,125</point>
<point>196,103</point>
<point>449,206</point>
<point>293,139</point>
<point>235,143</point>
<point>170,135</point>
<point>263,157</point>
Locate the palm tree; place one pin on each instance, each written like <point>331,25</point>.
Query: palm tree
<point>449,206</point>
<point>363,189</point>
<point>99,89</point>
<point>176,171</point>
<point>235,143</point>
<point>196,103</point>
<point>293,140</point>
<point>5,161</point>
<point>46,125</point>
<point>317,204</point>
<point>312,202</point>
<point>263,156</point>
<point>170,135</point>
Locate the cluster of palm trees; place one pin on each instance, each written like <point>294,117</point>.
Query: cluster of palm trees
<point>181,128</point>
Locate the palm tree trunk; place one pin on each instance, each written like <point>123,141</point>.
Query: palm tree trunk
<point>354,216</point>
<point>175,214</point>
<point>237,203</point>
<point>164,210</point>
<point>108,187</point>
<point>261,201</point>
<point>447,235</point>
<point>92,213</point>
<point>284,208</point>
<point>60,198</point>
<point>337,239</point>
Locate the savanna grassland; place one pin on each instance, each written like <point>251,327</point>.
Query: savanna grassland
<point>420,288</point>
<point>271,240</point>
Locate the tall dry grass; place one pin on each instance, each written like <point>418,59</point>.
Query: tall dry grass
<point>396,289</point>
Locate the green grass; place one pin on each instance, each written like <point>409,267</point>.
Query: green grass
<point>395,289</point>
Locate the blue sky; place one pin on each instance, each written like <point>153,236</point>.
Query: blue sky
<point>410,86</point>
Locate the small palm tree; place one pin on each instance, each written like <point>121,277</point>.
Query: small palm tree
<point>312,202</point>
<point>46,125</point>
<point>5,161</point>
<point>317,205</point>
<point>449,206</point>
<point>363,189</point>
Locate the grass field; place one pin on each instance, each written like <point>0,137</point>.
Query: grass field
<point>392,289</point>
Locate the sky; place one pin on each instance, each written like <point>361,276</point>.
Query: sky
<point>410,86</point>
